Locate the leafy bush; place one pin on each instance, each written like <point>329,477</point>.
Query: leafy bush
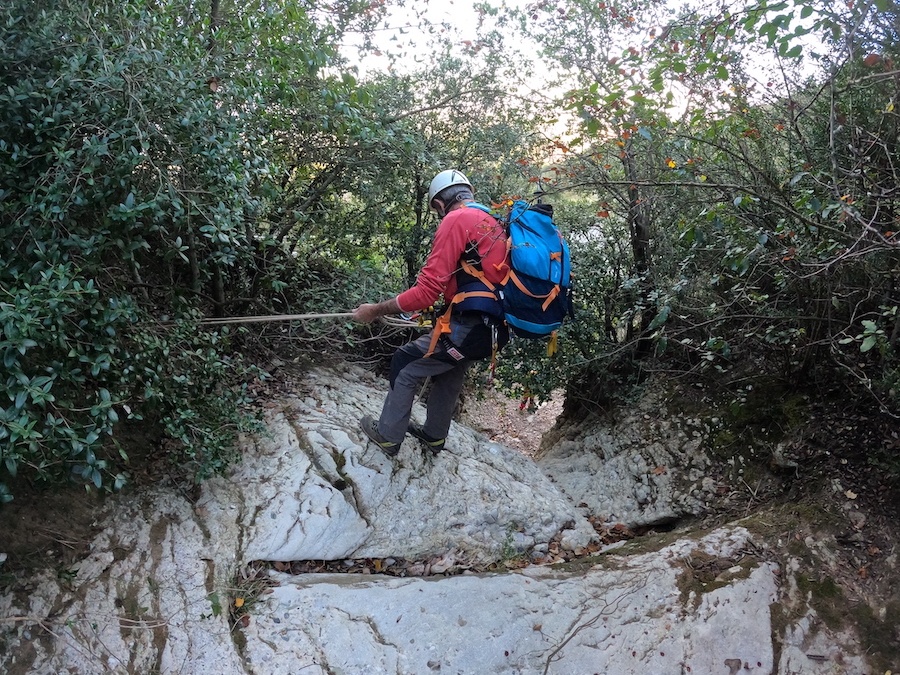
<point>192,383</point>
<point>77,362</point>
<point>116,161</point>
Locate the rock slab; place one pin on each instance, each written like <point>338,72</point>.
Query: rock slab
<point>625,615</point>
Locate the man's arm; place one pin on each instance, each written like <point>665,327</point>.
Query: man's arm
<point>443,261</point>
<point>449,243</point>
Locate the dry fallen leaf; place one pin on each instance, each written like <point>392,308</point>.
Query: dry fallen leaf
<point>238,602</point>
<point>872,60</point>
<point>659,471</point>
<point>850,494</point>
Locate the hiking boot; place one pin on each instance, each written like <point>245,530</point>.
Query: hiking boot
<point>370,428</point>
<point>433,444</point>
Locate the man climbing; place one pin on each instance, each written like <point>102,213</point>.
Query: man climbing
<point>467,259</point>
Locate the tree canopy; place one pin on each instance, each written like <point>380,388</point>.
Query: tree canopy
<point>727,178</point>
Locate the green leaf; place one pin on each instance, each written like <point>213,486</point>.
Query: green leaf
<point>867,344</point>
<point>215,604</point>
<point>662,344</point>
<point>722,73</point>
<point>660,318</point>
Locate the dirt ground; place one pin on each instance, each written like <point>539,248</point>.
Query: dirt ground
<point>506,421</point>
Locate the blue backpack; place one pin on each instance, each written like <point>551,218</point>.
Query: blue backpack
<point>536,294</point>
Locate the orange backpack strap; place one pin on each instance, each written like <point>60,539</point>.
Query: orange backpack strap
<point>547,297</point>
<point>472,271</point>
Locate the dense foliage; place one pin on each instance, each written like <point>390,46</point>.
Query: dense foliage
<point>135,169</point>
<point>756,192</point>
<point>727,179</point>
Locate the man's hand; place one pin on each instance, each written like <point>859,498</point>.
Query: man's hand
<point>367,313</point>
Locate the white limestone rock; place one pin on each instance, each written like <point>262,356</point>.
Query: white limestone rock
<point>625,616</point>
<point>645,468</point>
<point>140,602</point>
<point>315,489</point>
<point>155,590</point>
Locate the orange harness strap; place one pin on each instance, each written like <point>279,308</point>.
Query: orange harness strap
<point>442,325</point>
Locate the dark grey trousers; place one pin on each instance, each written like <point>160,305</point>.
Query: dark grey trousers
<point>409,368</point>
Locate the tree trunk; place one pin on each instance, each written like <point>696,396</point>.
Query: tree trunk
<point>218,292</point>
<point>411,254</point>
<point>214,18</point>
<point>196,284</point>
<point>639,230</point>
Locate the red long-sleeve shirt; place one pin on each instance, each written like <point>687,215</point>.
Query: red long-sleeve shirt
<point>455,231</point>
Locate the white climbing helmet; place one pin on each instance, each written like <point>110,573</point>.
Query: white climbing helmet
<point>444,180</point>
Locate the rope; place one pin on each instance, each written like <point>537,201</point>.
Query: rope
<point>397,322</point>
<point>393,321</point>
<point>273,317</point>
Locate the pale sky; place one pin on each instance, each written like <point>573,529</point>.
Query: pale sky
<point>403,35</point>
